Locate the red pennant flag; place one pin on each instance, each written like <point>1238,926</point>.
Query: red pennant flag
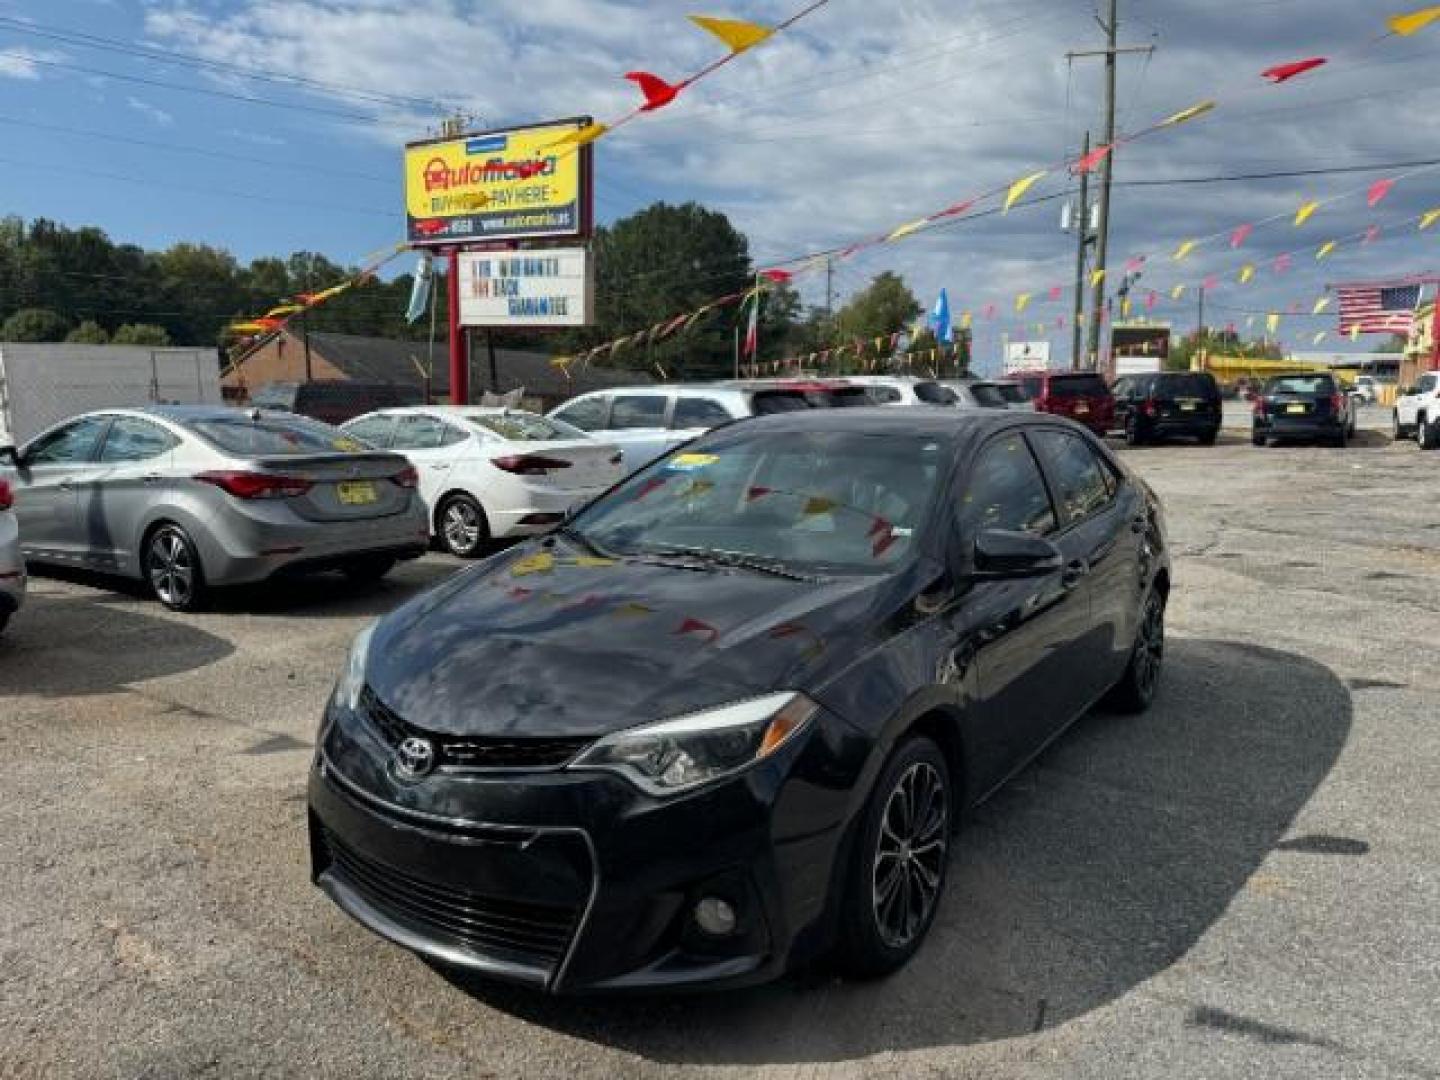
<point>1230,328</point>
<point>1093,160</point>
<point>1151,299</point>
<point>653,484</point>
<point>1282,263</point>
<point>1210,283</point>
<point>777,276</point>
<point>658,93</point>
<point>953,211</point>
<point>1378,191</point>
<point>1240,235</point>
<point>695,626</point>
<point>757,492</point>
<point>1371,234</point>
<point>989,311</point>
<point>1283,72</point>
<point>1054,292</point>
<point>1134,263</point>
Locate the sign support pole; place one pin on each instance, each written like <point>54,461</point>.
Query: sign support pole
<point>459,341</point>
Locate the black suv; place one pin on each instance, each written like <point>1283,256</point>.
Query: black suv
<point>1163,404</point>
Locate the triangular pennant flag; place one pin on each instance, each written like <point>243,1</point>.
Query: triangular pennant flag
<point>1413,23</point>
<point>1177,292</point>
<point>658,93</point>
<point>1022,301</point>
<point>1318,338</point>
<point>1019,187</point>
<point>906,230</point>
<point>1306,212</point>
<point>1272,322</point>
<point>1054,292</point>
<point>777,276</point>
<point>1240,235</point>
<point>1185,115</point>
<point>953,211</point>
<point>1283,72</point>
<point>1355,332</point>
<point>1282,263</point>
<point>1321,305</point>
<point>1325,249</point>
<point>1151,299</point>
<point>1210,282</point>
<point>966,320</point>
<point>1247,272</point>
<point>1185,249</point>
<point>283,309</point>
<point>1133,264</point>
<point>1096,276</point>
<point>1125,307</point>
<point>1092,160</point>
<point>737,34</point>
<point>1378,191</point>
<point>581,136</point>
<point>1371,234</point>
<point>1429,218</point>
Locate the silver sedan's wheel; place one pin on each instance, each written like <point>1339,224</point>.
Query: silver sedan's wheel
<point>909,864</point>
<point>172,566</point>
<point>463,528</point>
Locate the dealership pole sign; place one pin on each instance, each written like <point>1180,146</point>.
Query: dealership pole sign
<point>498,185</point>
<point>543,287</point>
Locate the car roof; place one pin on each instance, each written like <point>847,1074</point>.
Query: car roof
<point>954,424</point>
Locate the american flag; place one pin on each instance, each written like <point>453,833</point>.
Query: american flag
<point>1378,309</point>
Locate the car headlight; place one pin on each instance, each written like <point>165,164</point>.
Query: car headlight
<point>352,675</point>
<point>684,753</point>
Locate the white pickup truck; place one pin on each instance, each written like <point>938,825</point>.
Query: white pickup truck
<point>1417,411</point>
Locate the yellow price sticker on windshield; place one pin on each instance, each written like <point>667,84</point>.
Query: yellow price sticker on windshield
<point>348,445</point>
<point>686,462</point>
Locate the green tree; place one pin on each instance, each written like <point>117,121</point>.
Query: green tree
<point>88,332</point>
<point>140,334</point>
<point>34,324</point>
<point>883,307</point>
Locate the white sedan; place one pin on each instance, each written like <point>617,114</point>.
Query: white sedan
<point>492,473</point>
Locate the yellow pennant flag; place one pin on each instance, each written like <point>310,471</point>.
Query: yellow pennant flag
<point>1125,307</point>
<point>1307,211</point>
<point>737,34</point>
<point>1325,249</point>
<point>560,361</point>
<point>1321,305</point>
<point>1177,292</point>
<point>582,136</point>
<point>906,230</point>
<point>247,328</point>
<point>1430,217</point>
<point>1355,332</point>
<point>1185,249</point>
<point>1318,338</point>
<point>1185,115</point>
<point>283,309</point>
<point>1413,23</point>
<point>1096,276</point>
<point>1022,301</point>
<point>966,318</point>
<point>1246,273</point>
<point>1019,188</point>
<point>1272,322</point>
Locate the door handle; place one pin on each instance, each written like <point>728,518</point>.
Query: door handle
<point>150,478</point>
<point>439,467</point>
<point>66,485</point>
<point>1074,573</point>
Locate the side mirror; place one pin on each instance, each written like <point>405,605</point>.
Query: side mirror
<point>1002,555</point>
<point>10,454</point>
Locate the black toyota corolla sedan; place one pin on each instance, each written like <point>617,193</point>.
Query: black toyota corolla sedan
<point>728,718</point>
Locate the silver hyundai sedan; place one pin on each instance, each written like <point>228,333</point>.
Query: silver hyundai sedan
<point>12,564</point>
<point>189,498</point>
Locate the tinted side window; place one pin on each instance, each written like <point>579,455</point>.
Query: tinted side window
<point>419,433</point>
<point>587,414</point>
<point>70,445</point>
<point>637,411</point>
<point>1428,382</point>
<point>886,395</point>
<point>374,430</point>
<point>1084,485</point>
<point>1006,491</point>
<point>699,413</point>
<point>130,439</point>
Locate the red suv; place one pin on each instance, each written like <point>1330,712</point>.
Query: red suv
<point>1082,396</point>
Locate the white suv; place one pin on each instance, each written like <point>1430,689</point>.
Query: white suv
<point>1417,412</point>
<point>12,564</point>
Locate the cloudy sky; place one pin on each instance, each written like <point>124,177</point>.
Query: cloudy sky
<point>130,116</point>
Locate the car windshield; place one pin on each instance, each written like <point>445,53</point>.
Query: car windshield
<point>274,436</point>
<point>1301,384</point>
<point>1013,393</point>
<point>991,396</point>
<point>1186,384</point>
<point>1077,386</point>
<point>524,427</point>
<point>816,501</point>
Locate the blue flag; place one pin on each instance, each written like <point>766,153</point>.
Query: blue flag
<point>940,319</point>
<point>420,290</point>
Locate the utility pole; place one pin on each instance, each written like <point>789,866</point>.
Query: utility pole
<point>1082,229</point>
<point>1200,329</point>
<point>829,287</point>
<point>1111,52</point>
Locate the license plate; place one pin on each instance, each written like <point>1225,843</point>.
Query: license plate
<point>1294,408</point>
<point>355,492</point>
<point>1081,410</point>
<point>1187,406</point>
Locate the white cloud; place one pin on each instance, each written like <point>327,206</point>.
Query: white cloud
<point>23,63</point>
<point>150,112</point>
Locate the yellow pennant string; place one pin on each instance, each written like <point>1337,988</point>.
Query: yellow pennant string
<point>1272,322</point>
<point>1413,23</point>
<point>1246,273</point>
<point>965,320</point>
<point>1325,250</point>
<point>582,136</point>
<point>1355,332</point>
<point>737,34</point>
<point>906,230</point>
<point>1430,217</point>
<point>1321,305</point>
<point>1185,249</point>
<point>1125,307</point>
<point>1185,115</point>
<point>1177,292</point>
<point>1306,212</point>
<point>1019,187</point>
<point>1318,338</point>
<point>1096,276</point>
<point>1022,301</point>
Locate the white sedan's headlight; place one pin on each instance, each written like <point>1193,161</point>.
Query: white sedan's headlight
<point>684,753</point>
<point>352,675</point>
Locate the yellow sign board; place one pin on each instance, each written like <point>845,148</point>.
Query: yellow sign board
<point>499,185</point>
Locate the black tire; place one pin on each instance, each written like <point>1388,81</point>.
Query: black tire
<point>365,569</point>
<point>1396,434</point>
<point>910,854</point>
<point>1342,440</point>
<point>1257,439</point>
<point>1208,439</point>
<point>172,569</point>
<point>4,621</point>
<point>1133,435</point>
<point>1426,433</point>
<point>1135,691</point>
<point>461,524</point>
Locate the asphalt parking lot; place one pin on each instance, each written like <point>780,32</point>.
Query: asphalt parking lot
<point>1242,883</point>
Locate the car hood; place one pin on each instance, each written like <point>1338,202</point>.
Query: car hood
<point>547,641</point>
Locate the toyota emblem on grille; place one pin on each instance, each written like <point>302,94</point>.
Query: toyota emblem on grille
<point>414,758</point>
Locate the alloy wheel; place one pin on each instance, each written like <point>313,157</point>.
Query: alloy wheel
<point>172,568</point>
<point>461,526</point>
<point>1150,648</point>
<point>910,855</point>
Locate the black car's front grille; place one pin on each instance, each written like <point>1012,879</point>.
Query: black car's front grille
<point>520,930</point>
<point>470,751</point>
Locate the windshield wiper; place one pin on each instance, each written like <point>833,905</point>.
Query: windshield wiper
<point>573,534</point>
<point>738,560</point>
